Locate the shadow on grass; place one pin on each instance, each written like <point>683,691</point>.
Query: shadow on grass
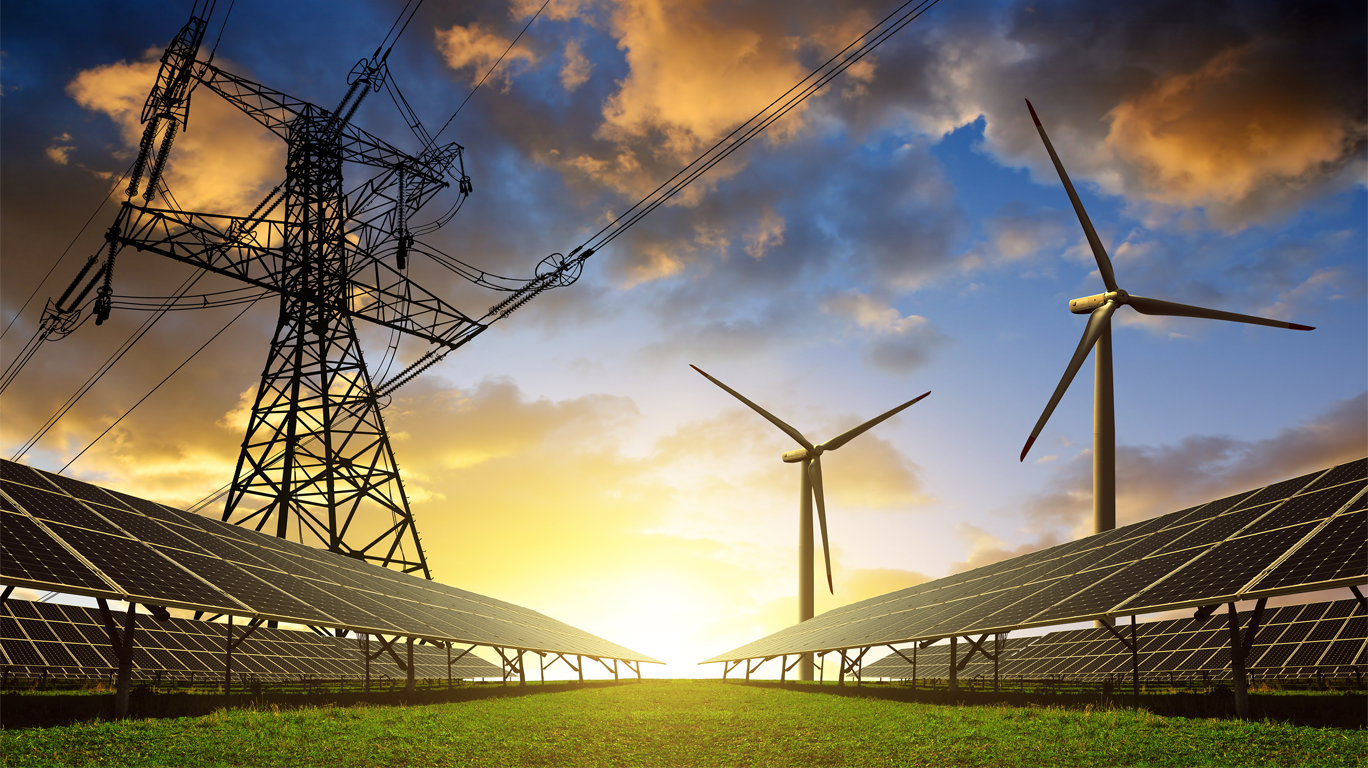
<point>1321,710</point>
<point>42,710</point>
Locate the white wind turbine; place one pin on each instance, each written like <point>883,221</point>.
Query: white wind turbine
<point>810,487</point>
<point>1099,309</point>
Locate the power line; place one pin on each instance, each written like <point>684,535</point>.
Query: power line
<point>158,386</point>
<point>99,374</point>
<point>118,182</point>
<point>491,69</point>
<point>115,357</point>
<point>819,77</point>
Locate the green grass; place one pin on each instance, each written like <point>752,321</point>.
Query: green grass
<point>682,723</point>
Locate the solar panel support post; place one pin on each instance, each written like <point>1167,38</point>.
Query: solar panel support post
<point>1363,602</point>
<point>1135,660</point>
<point>121,690</point>
<point>1239,652</point>
<point>409,683</point>
<point>123,651</point>
<point>229,645</point>
<point>579,667</point>
<point>10,590</point>
<point>997,654</point>
<point>228,660</point>
<point>783,668</point>
<point>954,664</point>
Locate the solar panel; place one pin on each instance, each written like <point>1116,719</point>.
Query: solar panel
<point>1297,535</point>
<point>178,649</point>
<point>55,507</point>
<point>1287,645</point>
<point>29,554</point>
<point>64,535</point>
<point>143,574</point>
<point>933,662</point>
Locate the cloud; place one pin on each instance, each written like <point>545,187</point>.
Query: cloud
<point>1240,136</point>
<point>59,151</point>
<point>1247,116</point>
<point>1157,480</point>
<point>871,473</point>
<point>900,344</point>
<point>695,72</point>
<point>477,49</point>
<point>986,548</point>
<point>767,233</point>
<point>222,162</point>
<point>577,67</point>
<point>1017,234</point>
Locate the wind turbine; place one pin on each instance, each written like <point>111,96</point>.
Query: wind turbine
<point>1099,309</point>
<point>810,487</point>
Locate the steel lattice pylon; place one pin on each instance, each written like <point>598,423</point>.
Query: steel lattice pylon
<point>316,464</point>
<point>316,450</point>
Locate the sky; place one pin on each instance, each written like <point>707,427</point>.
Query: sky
<point>901,232</point>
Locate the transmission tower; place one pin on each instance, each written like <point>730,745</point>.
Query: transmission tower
<point>316,463</point>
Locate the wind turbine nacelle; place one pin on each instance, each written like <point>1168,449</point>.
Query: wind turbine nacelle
<point>793,457</point>
<point>1087,304</point>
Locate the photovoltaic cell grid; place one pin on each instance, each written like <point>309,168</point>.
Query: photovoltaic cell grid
<point>63,535</point>
<point>1295,641</point>
<point>1299,535</point>
<point>71,641</point>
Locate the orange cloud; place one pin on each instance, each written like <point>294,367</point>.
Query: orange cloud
<point>222,162</point>
<point>575,72</point>
<point>1229,133</point>
<point>477,49</point>
<point>697,69</point>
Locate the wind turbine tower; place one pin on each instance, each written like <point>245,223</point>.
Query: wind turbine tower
<point>810,489</point>
<point>1097,336</point>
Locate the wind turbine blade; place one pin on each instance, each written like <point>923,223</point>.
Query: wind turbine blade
<point>1103,263</point>
<point>790,431</point>
<point>815,475</point>
<point>1097,322</point>
<point>1157,307</point>
<point>842,439</point>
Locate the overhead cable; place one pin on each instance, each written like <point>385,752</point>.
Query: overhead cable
<point>158,386</point>
<point>117,183</point>
<point>491,69</point>
<point>902,16</point>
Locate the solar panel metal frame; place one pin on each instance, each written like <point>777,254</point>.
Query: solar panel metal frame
<point>1094,653</point>
<point>401,604</point>
<point>264,655</point>
<point>836,629</point>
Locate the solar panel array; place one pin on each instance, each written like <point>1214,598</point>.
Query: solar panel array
<point>933,662</point>
<point>1294,641</point>
<point>70,641</point>
<point>1299,535</point>
<point>63,535</point>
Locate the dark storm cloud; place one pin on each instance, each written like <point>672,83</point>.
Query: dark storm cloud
<point>1246,111</point>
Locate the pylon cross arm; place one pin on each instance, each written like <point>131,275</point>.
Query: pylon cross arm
<point>385,297</point>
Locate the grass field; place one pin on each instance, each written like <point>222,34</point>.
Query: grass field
<point>686,723</point>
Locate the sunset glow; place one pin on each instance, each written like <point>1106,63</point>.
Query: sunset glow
<point>903,231</point>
